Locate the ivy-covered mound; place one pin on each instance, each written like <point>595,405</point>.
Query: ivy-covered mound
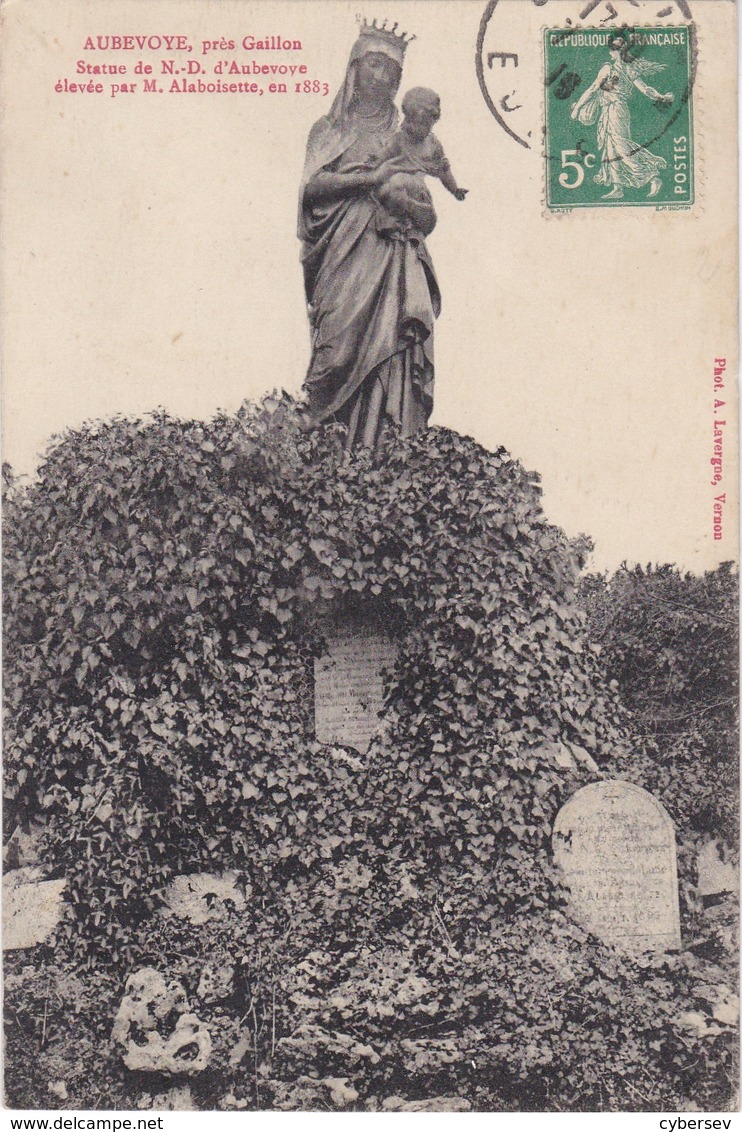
<point>167,587</point>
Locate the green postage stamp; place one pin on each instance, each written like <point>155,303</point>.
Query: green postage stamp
<point>619,117</point>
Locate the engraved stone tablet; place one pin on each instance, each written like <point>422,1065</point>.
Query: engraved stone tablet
<point>348,688</point>
<point>615,845</point>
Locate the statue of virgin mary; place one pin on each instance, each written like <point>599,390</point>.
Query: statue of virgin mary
<point>370,285</point>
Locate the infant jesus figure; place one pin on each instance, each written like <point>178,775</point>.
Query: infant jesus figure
<point>414,150</point>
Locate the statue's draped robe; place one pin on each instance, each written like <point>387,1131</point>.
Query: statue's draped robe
<point>372,297</point>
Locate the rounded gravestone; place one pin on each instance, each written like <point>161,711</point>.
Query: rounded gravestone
<point>615,846</point>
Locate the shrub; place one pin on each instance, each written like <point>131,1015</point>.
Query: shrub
<point>670,641</point>
<point>168,586</point>
<point>165,585</point>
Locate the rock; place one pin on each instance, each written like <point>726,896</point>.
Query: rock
<point>241,1047</point>
<point>178,1099</point>
<point>716,873</point>
<point>147,1001</point>
<point>172,1055</point>
<point>432,1104</point>
<point>230,1101</point>
<point>59,1089</point>
<point>694,1020</point>
<point>304,1044</point>
<point>341,1093</point>
<point>24,846</point>
<point>216,983</point>
<point>176,1041</point>
<point>201,897</point>
<point>727,1009</point>
<point>32,908</point>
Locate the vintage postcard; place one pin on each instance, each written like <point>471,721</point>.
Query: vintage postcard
<point>370,463</point>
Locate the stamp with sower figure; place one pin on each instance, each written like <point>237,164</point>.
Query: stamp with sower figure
<point>619,119</point>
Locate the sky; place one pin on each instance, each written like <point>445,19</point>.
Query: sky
<point>150,256</point>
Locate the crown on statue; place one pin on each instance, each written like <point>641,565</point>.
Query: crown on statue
<point>378,37</point>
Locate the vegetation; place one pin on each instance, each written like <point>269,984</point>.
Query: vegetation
<point>168,585</point>
<point>670,641</point>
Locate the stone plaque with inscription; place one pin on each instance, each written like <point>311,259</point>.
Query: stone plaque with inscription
<point>615,845</point>
<point>348,688</point>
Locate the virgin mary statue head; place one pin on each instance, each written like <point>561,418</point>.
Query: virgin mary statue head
<point>374,73</point>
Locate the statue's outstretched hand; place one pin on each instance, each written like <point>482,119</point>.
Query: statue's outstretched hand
<point>460,194</point>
